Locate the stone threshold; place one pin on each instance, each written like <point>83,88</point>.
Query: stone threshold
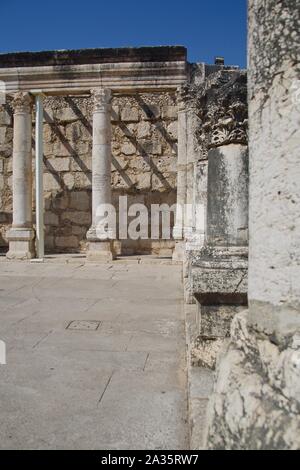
<point>146,259</point>
<point>74,258</point>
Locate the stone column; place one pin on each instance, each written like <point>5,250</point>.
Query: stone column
<point>192,158</point>
<point>100,240</point>
<point>227,199</point>
<point>219,270</point>
<point>194,223</point>
<point>178,230</point>
<point>21,234</point>
<point>257,391</point>
<point>274,113</point>
<point>191,236</point>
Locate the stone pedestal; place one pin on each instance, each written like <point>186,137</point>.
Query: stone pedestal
<point>100,251</point>
<point>179,250</point>
<point>21,234</point>
<point>21,243</point>
<point>219,270</point>
<point>219,284</point>
<point>100,239</point>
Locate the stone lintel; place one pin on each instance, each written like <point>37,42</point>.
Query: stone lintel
<point>118,72</point>
<point>93,56</point>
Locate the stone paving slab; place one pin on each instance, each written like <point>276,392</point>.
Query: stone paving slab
<point>121,386</point>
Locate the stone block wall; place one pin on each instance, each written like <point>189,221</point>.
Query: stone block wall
<point>144,165</point>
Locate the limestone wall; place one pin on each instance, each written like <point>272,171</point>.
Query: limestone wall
<point>144,164</point>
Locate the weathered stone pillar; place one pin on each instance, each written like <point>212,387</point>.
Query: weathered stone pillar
<point>191,236</point>
<point>100,239</point>
<point>257,392</point>
<point>193,156</point>
<point>227,199</point>
<point>219,270</point>
<point>21,234</point>
<point>194,226</point>
<point>274,106</point>
<point>178,230</point>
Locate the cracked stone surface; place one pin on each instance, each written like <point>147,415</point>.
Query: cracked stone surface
<point>122,386</point>
<point>255,405</point>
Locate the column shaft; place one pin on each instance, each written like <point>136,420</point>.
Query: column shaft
<point>191,160</point>
<point>178,230</point>
<point>39,198</point>
<point>100,239</point>
<point>227,202</point>
<point>21,234</point>
<point>101,161</point>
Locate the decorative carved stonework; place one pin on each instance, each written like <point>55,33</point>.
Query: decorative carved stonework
<point>101,99</point>
<point>228,130</point>
<point>183,97</point>
<point>222,106</point>
<point>22,102</point>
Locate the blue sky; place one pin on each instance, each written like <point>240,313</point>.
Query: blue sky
<point>206,27</point>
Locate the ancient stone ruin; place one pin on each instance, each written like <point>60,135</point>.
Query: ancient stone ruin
<point>219,143</point>
<point>256,400</point>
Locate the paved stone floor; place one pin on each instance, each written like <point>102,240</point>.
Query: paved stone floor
<point>118,382</point>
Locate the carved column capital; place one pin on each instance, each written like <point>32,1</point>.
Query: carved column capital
<point>101,99</point>
<point>22,102</point>
<point>223,110</point>
<point>229,129</point>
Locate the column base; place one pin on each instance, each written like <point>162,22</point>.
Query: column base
<point>188,233</point>
<point>179,251</point>
<point>21,243</point>
<point>178,232</point>
<point>100,251</point>
<point>219,285</point>
<point>219,275</point>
